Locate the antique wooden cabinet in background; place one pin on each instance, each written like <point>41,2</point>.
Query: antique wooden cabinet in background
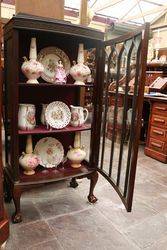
<point>4,223</point>
<point>118,58</point>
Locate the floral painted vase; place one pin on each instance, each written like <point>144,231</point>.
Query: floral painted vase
<point>77,154</point>
<point>28,160</point>
<point>79,71</point>
<point>26,116</point>
<point>32,69</point>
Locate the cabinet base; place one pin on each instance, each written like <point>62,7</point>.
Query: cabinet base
<point>156,155</point>
<point>4,230</point>
<point>17,188</point>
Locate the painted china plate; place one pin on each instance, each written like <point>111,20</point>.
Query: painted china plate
<point>57,115</point>
<point>49,57</point>
<point>50,152</point>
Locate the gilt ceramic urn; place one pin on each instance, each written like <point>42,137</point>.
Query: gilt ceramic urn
<point>80,71</point>
<point>32,69</point>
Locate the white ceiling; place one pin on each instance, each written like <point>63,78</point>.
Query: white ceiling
<point>136,11</point>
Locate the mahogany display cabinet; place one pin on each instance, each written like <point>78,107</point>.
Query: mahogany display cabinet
<point>115,55</point>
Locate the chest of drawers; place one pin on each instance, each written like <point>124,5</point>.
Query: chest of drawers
<point>156,146</point>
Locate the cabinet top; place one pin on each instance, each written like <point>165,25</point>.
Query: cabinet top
<point>35,23</point>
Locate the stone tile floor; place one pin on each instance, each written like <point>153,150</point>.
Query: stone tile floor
<point>58,217</point>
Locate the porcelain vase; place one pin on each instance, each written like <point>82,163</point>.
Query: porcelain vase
<point>28,160</point>
<point>79,71</point>
<point>79,115</point>
<point>26,116</point>
<point>76,154</point>
<point>32,69</point>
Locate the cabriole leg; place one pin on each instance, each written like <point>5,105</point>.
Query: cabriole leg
<point>17,217</point>
<point>7,190</point>
<point>93,180</point>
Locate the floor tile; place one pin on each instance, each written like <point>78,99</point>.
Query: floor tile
<point>159,245</point>
<point>149,231</point>
<point>29,212</point>
<point>23,236</point>
<point>49,245</point>
<point>123,220</point>
<point>148,190</point>
<point>88,230</point>
<point>159,204</point>
<point>60,204</point>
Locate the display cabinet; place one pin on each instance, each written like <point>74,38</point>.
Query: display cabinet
<point>67,37</point>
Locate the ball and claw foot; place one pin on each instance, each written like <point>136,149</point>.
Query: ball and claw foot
<point>17,218</point>
<point>92,199</point>
<point>73,183</point>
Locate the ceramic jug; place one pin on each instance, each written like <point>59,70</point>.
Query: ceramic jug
<point>77,115</point>
<point>26,116</point>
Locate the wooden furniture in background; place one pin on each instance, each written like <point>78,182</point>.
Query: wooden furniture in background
<point>151,76</point>
<point>49,8</point>
<point>66,36</point>
<point>156,146</point>
<point>159,85</point>
<point>157,67</point>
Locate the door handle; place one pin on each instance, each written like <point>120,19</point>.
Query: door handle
<point>159,120</point>
<point>158,132</point>
<point>161,108</point>
<point>156,145</point>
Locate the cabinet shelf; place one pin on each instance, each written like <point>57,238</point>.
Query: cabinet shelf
<point>51,85</point>
<point>43,130</point>
<point>64,171</point>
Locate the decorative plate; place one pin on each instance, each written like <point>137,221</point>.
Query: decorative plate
<point>57,115</point>
<point>49,57</point>
<point>50,152</point>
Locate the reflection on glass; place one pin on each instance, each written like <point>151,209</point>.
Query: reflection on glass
<point>119,113</point>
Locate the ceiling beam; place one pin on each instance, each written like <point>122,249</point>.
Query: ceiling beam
<point>138,3</point>
<point>126,13</point>
<point>145,13</point>
<point>152,2</point>
<point>105,6</point>
<point>159,16</point>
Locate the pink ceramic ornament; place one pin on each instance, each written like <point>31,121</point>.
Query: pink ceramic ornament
<point>60,74</point>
